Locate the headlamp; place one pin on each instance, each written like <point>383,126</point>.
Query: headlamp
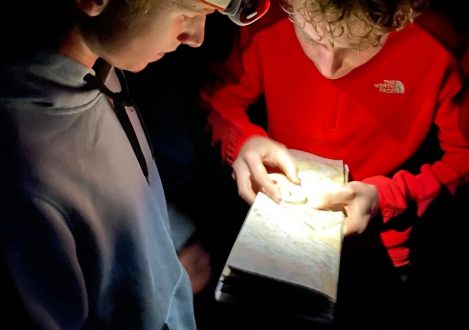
<point>241,12</point>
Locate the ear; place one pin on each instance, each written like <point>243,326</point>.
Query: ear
<point>92,7</point>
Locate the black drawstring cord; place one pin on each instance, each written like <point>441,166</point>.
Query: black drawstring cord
<point>130,101</point>
<point>121,100</point>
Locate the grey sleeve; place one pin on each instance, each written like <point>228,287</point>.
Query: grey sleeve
<point>39,253</point>
<point>182,227</point>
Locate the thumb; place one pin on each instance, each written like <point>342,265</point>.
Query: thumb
<point>318,201</point>
<point>288,167</point>
<point>332,200</point>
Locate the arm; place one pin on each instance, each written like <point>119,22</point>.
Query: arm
<point>244,145</point>
<point>449,172</point>
<point>390,196</point>
<point>40,255</point>
<point>239,85</point>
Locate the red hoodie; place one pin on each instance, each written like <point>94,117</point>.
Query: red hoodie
<point>375,118</point>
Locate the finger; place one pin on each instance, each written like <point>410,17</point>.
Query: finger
<point>200,255</point>
<point>194,258</point>
<point>355,222</point>
<point>350,226</point>
<point>202,259</point>
<point>336,200</point>
<point>260,177</point>
<point>243,181</point>
<point>288,166</point>
<point>200,280</point>
<point>348,229</point>
<point>270,189</point>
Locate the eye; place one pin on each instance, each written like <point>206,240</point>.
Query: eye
<point>187,18</point>
<point>307,37</point>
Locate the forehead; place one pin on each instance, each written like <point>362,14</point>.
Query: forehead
<point>350,32</point>
<point>193,5</point>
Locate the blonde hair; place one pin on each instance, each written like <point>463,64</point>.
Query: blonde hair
<point>373,18</point>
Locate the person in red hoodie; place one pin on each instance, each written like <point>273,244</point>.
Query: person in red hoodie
<point>353,80</point>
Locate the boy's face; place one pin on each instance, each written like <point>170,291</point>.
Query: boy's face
<point>133,43</point>
<point>337,60</point>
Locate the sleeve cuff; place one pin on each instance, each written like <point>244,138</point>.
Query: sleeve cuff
<point>182,227</point>
<point>391,200</point>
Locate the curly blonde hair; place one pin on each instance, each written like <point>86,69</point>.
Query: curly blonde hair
<point>367,20</point>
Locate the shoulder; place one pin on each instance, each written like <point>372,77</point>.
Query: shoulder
<point>450,32</point>
<point>444,31</point>
<point>419,43</point>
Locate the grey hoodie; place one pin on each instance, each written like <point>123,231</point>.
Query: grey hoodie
<point>99,253</point>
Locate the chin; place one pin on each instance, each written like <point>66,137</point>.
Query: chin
<point>336,75</point>
<point>158,56</point>
<point>137,67</point>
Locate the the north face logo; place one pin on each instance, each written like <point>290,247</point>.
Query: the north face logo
<point>390,87</point>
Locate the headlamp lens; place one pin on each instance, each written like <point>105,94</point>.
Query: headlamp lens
<point>242,12</point>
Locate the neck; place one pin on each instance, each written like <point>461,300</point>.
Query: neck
<point>75,47</point>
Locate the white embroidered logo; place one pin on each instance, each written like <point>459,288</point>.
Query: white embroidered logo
<point>390,87</point>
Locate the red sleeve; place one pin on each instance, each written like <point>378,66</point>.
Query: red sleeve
<point>450,171</point>
<point>227,101</point>
<point>465,60</point>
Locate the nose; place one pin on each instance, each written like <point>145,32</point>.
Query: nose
<point>330,62</point>
<point>194,32</point>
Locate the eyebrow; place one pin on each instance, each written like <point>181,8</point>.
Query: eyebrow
<point>212,5</point>
<point>199,6</point>
<point>349,44</point>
